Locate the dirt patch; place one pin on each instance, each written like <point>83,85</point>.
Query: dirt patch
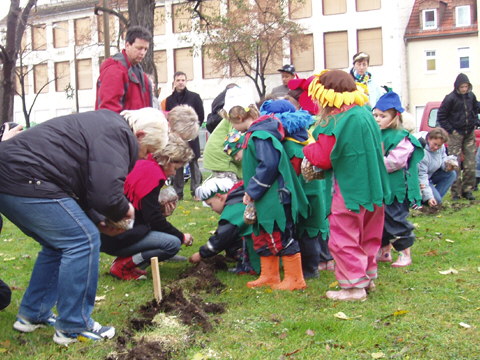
<point>179,300</point>
<point>142,351</point>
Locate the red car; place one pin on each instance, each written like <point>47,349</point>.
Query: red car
<point>429,119</point>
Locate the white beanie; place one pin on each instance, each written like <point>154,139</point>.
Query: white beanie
<point>237,96</point>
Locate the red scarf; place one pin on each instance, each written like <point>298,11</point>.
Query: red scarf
<point>145,176</point>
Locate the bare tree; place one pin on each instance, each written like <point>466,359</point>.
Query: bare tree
<point>16,24</point>
<point>249,37</point>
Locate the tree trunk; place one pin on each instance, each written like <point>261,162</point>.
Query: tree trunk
<point>16,23</point>
<point>141,12</point>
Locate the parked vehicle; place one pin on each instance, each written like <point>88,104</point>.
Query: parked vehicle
<point>429,119</point>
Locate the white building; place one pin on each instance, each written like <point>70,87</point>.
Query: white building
<point>68,48</point>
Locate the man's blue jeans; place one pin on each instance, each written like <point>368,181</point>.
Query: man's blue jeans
<point>66,271</point>
<point>440,182</point>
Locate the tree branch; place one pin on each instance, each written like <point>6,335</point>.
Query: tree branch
<point>122,18</point>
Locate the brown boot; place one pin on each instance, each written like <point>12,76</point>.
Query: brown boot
<point>269,272</point>
<point>293,280</point>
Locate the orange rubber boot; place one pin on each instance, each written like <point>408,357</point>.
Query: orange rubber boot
<point>269,272</point>
<point>293,280</point>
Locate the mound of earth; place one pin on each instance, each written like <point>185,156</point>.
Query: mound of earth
<point>180,300</point>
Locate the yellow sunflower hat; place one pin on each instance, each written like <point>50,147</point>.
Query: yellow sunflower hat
<point>335,88</point>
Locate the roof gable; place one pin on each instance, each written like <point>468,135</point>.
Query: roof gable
<point>445,19</point>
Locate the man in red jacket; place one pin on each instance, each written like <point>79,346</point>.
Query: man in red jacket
<point>122,84</point>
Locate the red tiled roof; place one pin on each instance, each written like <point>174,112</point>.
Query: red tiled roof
<point>445,19</point>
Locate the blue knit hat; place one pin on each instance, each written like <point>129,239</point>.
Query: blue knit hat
<point>390,100</point>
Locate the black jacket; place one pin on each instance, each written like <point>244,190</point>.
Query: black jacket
<point>148,218</point>
<point>187,97</point>
<point>459,111</point>
<point>227,236</point>
<point>84,156</point>
<point>213,119</point>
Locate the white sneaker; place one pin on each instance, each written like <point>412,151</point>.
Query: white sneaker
<point>98,332</point>
<point>26,326</point>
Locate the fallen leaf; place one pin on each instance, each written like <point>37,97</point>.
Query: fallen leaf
<point>449,271</point>
<point>186,212</point>
<point>400,312</point>
<point>3,350</point>
<point>431,253</point>
<point>282,336</point>
<point>450,241</point>
<point>465,325</point>
<point>196,208</point>
<point>378,355</point>
<point>343,316</point>
<point>100,298</point>
<point>327,347</point>
<point>310,332</point>
<point>478,269</point>
<point>9,259</point>
<point>333,284</point>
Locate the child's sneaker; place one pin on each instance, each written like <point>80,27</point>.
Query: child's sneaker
<point>98,332</point>
<point>26,326</point>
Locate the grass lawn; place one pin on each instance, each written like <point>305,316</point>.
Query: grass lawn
<point>416,312</point>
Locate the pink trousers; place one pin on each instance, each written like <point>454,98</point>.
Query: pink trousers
<point>355,239</point>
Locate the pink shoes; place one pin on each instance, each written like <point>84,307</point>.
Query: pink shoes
<point>327,265</point>
<point>384,254</point>
<point>348,295</point>
<point>404,259</point>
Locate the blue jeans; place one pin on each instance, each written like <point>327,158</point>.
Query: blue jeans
<point>66,271</point>
<point>440,182</point>
<point>156,243</point>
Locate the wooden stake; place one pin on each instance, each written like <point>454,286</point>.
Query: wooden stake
<point>157,286</point>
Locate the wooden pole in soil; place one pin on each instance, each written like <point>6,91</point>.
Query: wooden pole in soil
<point>157,288</point>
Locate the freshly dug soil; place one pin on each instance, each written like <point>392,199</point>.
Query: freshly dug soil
<point>190,309</point>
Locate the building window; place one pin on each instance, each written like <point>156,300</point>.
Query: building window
<point>464,58</point>
<point>39,37</point>
<point>84,74</point>
<point>332,7</point>
<point>60,34</point>
<point>429,19</point>
<point>431,60</point>
<point>336,50</point>
<point>21,72</point>
<point>210,10</point>
<point>366,5</point>
<point>40,78</point>
<point>300,9</point>
<point>210,67</point>
<point>62,75</point>
<point>370,41</point>
<point>159,21</point>
<point>183,61</point>
<point>111,28</point>
<point>160,59</point>
<point>462,15</point>
<point>302,52</point>
<point>83,31</point>
<point>182,19</point>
